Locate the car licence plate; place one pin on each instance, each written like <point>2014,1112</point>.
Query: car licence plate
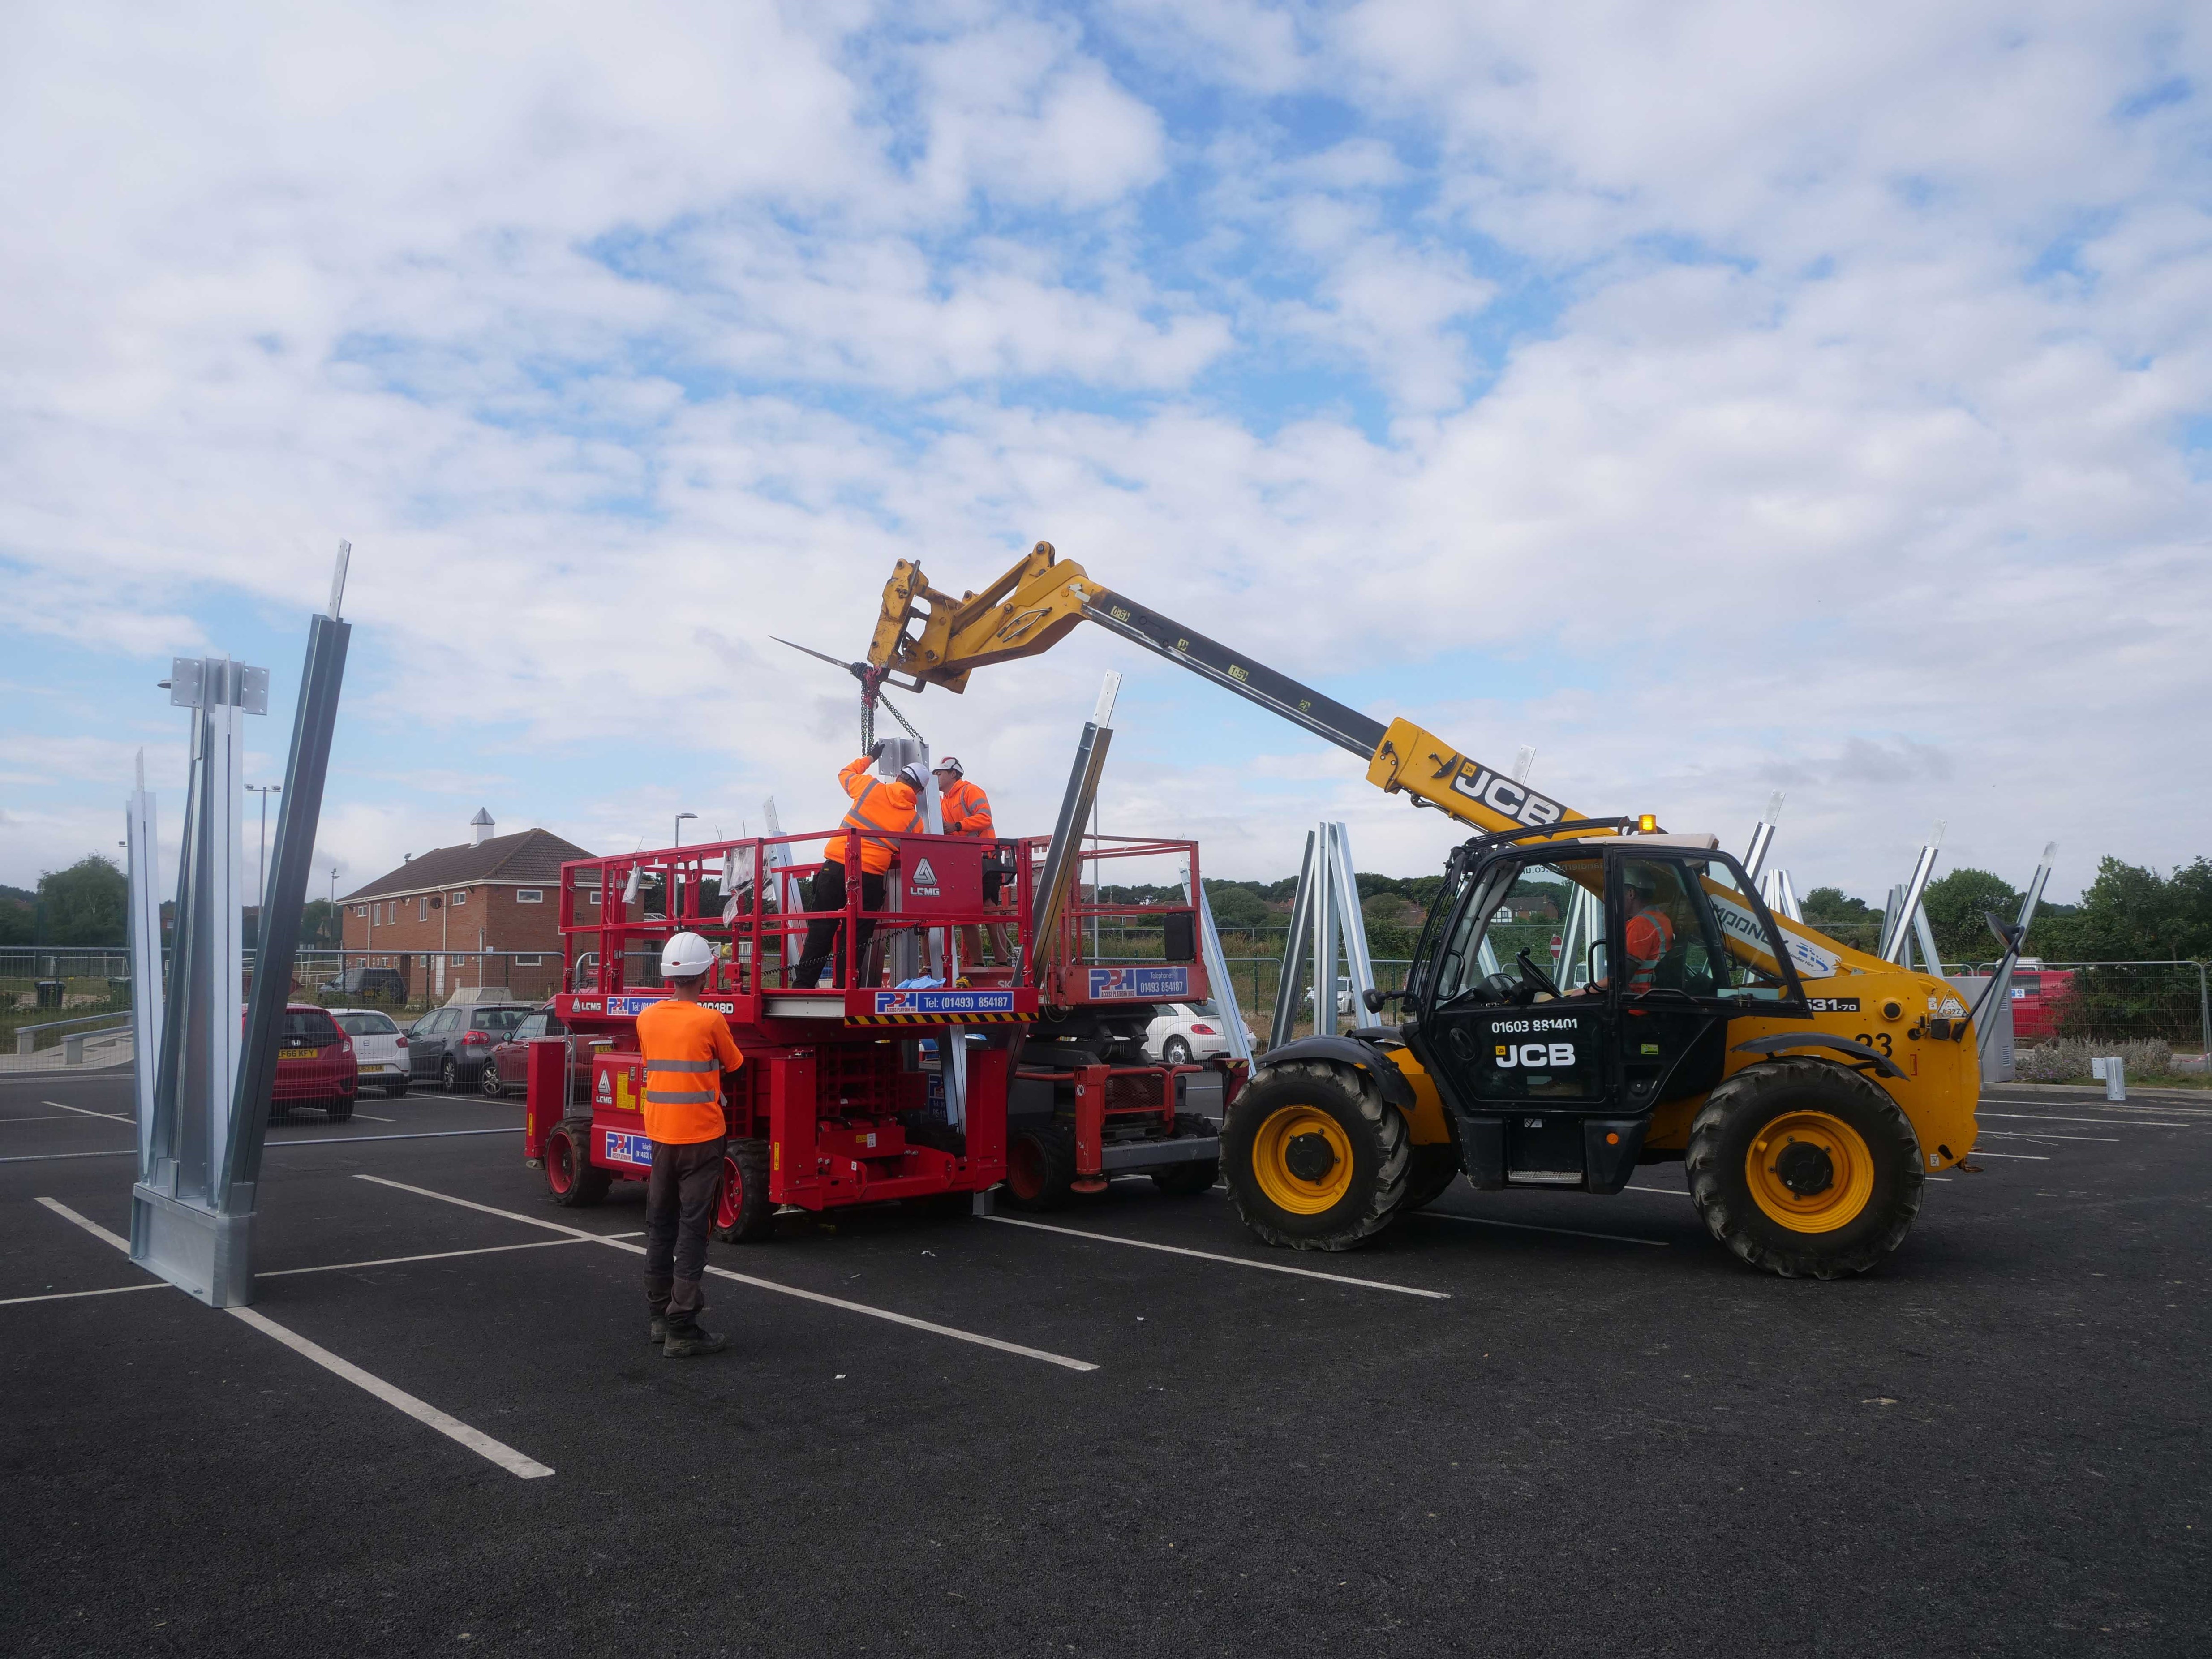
<point>297,1053</point>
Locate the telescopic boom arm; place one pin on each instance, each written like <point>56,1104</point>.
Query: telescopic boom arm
<point>935,640</point>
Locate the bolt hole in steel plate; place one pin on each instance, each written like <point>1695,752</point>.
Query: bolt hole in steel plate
<point>1810,1172</point>
<point>1283,1147</point>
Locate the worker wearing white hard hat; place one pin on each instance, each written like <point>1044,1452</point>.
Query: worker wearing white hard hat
<point>967,812</point>
<point>687,1049</point>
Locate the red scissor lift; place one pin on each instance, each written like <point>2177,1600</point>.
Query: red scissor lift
<point>842,1099</point>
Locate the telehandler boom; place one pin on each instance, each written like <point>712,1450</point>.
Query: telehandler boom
<point>1808,1087</point>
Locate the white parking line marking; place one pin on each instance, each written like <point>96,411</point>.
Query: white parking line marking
<point>1233,1260</point>
<point>421,1410</point>
<point>87,1111</point>
<point>88,1223</point>
<point>71,1295</point>
<point>371,1117</point>
<point>40,1117</point>
<point>1530,1227</point>
<point>1664,1192</point>
<point>618,1244</point>
<point>2101,1122</point>
<point>433,1256</point>
<point>2030,1134</point>
<point>320,1140</point>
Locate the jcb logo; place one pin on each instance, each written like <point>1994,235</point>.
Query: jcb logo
<point>1536,1055</point>
<point>1504,796</point>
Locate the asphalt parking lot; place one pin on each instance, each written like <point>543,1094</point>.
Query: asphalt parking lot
<point>1524,1424</point>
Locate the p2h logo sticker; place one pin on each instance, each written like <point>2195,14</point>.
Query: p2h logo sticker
<point>1536,1055</point>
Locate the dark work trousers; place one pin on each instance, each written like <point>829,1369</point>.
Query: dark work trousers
<point>827,892</point>
<point>679,1207</point>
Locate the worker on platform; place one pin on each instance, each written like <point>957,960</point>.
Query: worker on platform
<point>687,1050</point>
<point>966,810</point>
<point>885,805</point>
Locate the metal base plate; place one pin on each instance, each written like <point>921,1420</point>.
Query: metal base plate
<point>207,1255</point>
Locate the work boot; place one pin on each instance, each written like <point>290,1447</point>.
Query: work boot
<point>658,1331</point>
<point>687,1340</point>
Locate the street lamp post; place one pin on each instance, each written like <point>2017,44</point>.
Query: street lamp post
<point>261,881</point>
<point>340,925</point>
<point>680,816</point>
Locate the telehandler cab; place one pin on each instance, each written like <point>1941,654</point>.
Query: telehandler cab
<point>1808,1087</point>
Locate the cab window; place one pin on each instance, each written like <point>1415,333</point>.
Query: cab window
<point>1520,906</point>
<point>1721,944</point>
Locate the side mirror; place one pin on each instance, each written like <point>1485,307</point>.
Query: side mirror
<point>1597,962</point>
<point>2010,934</point>
<point>1373,998</point>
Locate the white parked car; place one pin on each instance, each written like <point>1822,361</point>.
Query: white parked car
<point>1188,1031</point>
<point>1343,1003</point>
<point>378,1045</point>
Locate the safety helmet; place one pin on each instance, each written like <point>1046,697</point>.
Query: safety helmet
<point>912,775</point>
<point>951,764</point>
<point>686,956</point>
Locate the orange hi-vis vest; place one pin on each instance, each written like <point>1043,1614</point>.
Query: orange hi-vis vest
<point>877,804</point>
<point>966,810</point>
<point>1650,936</point>
<point>687,1047</point>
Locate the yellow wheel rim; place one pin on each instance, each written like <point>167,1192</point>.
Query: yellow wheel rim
<point>1810,1171</point>
<point>1290,1168</point>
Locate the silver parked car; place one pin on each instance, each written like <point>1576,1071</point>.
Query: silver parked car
<point>450,1045</point>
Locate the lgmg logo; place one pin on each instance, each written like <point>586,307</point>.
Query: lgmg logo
<point>1536,1055</point>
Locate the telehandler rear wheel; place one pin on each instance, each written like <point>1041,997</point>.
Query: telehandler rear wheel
<point>1805,1168</point>
<point>1316,1158</point>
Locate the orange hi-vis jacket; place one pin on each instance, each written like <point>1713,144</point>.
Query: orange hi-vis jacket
<point>687,1047</point>
<point>877,804</point>
<point>1650,936</point>
<point>966,810</point>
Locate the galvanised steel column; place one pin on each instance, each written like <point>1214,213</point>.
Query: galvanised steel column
<point>145,902</point>
<point>1762,837</point>
<point>1897,924</point>
<point>1358,961</point>
<point>1324,931</point>
<point>1217,971</point>
<point>1287,980</point>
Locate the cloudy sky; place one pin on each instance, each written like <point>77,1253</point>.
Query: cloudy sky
<point>1721,397</point>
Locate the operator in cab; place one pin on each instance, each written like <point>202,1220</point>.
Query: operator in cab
<point>966,810</point>
<point>687,1049</point>
<point>1649,933</point>
<point>886,806</point>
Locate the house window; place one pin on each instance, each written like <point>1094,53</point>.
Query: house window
<point>461,897</point>
<point>590,895</point>
<point>460,962</point>
<point>530,962</point>
<point>423,909</point>
<point>530,895</point>
<point>361,909</point>
<point>391,911</point>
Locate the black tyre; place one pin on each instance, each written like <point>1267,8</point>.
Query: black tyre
<point>1175,1052</point>
<point>744,1213</point>
<point>1041,1168</point>
<point>489,1080</point>
<point>1435,1169</point>
<point>449,1076</point>
<point>1805,1169</point>
<point>338,1111</point>
<point>1186,1180</point>
<point>396,1091</point>
<point>1317,1159</point>
<point>572,1181</point>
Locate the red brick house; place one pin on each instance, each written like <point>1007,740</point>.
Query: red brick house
<point>435,916</point>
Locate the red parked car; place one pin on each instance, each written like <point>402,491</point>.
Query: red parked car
<point>2037,993</point>
<point>505,1069</point>
<point>315,1065</point>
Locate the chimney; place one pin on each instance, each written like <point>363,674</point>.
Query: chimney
<point>480,827</point>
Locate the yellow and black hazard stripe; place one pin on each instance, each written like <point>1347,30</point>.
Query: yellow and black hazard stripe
<point>938,1019</point>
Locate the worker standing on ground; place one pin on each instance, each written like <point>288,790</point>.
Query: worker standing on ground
<point>686,1048</point>
<point>966,810</point>
<point>886,806</point>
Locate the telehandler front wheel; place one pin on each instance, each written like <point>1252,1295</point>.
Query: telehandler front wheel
<point>1316,1158</point>
<point>1805,1168</point>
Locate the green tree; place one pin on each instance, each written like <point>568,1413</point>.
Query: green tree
<point>2132,913</point>
<point>1957,908</point>
<point>86,903</point>
<point>17,918</point>
<point>1235,905</point>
